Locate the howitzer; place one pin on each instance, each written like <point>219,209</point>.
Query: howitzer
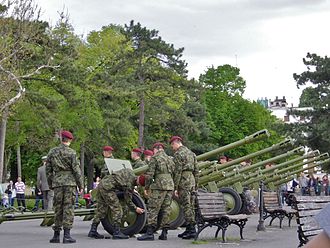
<point>272,148</point>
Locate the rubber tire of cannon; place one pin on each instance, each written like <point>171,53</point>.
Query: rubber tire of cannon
<point>139,219</point>
<point>231,194</point>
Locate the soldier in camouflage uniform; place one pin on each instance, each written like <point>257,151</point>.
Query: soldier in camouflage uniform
<point>186,182</point>
<point>107,153</point>
<point>63,176</point>
<point>147,155</point>
<point>159,179</point>
<point>121,180</point>
<point>136,157</point>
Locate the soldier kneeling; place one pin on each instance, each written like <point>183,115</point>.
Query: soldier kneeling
<point>106,197</point>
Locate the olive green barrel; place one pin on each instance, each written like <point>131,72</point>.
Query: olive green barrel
<point>262,134</point>
<point>216,167</point>
<point>225,179</point>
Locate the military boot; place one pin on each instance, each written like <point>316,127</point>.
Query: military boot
<point>117,234</point>
<point>55,238</point>
<point>191,234</point>
<point>67,238</point>
<point>93,232</point>
<point>184,233</point>
<point>163,235</point>
<point>149,235</point>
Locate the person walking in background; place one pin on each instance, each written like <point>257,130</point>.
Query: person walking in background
<point>325,184</point>
<point>11,192</point>
<point>39,197</point>
<point>64,176</point>
<point>42,184</point>
<point>20,193</point>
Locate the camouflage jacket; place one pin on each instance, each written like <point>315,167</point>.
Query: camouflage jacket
<point>160,172</point>
<point>104,170</point>
<point>186,169</point>
<point>63,168</point>
<point>138,163</point>
<point>122,180</point>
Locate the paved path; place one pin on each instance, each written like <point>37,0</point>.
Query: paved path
<point>28,233</point>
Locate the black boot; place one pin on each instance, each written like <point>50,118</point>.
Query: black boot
<point>163,235</point>
<point>117,234</point>
<point>55,238</point>
<point>67,238</point>
<point>149,235</point>
<point>184,233</point>
<point>93,232</point>
<point>191,234</point>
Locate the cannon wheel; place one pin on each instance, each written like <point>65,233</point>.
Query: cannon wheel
<point>132,222</point>
<point>233,200</point>
<point>176,216</point>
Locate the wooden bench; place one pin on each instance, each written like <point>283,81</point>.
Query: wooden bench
<point>211,211</point>
<point>274,209</point>
<point>307,207</point>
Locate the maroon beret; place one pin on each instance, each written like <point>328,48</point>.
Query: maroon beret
<point>107,148</point>
<point>148,153</point>
<point>66,134</point>
<point>137,150</point>
<point>175,138</point>
<point>141,180</point>
<point>157,144</point>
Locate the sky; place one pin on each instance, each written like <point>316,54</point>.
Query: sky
<point>266,39</point>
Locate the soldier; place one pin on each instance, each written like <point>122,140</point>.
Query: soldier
<point>48,195</point>
<point>121,180</point>
<point>107,153</point>
<point>159,179</point>
<point>147,155</point>
<point>136,157</point>
<point>186,182</point>
<point>64,176</point>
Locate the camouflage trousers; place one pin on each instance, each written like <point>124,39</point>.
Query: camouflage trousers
<point>106,200</point>
<point>64,198</point>
<point>187,202</point>
<point>159,202</point>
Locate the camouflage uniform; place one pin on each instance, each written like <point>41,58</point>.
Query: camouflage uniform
<point>159,180</point>
<point>138,163</point>
<point>186,180</point>
<point>122,180</point>
<point>64,176</point>
<point>104,170</point>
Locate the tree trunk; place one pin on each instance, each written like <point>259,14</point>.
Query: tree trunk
<point>90,174</point>
<point>3,129</point>
<point>82,161</point>
<point>141,122</point>
<point>19,161</point>
<point>5,168</point>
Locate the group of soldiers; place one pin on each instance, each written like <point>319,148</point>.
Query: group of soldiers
<point>164,177</point>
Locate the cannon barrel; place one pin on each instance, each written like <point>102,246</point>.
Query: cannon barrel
<point>248,139</point>
<point>274,147</point>
<point>216,176</point>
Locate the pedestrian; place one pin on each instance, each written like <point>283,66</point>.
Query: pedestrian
<point>122,180</point>
<point>107,153</point>
<point>325,184</point>
<point>64,176</point>
<point>136,157</point>
<point>147,155</point>
<point>39,197</point>
<point>303,184</point>
<point>159,188</point>
<point>42,183</point>
<point>20,193</point>
<point>186,183</point>
<point>10,190</point>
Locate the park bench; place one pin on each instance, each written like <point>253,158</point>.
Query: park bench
<point>307,207</point>
<point>274,209</point>
<point>211,211</point>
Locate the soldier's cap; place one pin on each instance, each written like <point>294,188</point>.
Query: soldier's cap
<point>66,134</point>
<point>107,148</point>
<point>137,150</point>
<point>141,180</point>
<point>148,152</point>
<point>175,138</point>
<point>157,144</point>
<point>43,157</point>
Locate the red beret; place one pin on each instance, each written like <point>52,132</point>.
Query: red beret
<point>137,150</point>
<point>158,144</point>
<point>148,153</point>
<point>175,138</point>
<point>141,180</point>
<point>107,148</point>
<point>66,134</point>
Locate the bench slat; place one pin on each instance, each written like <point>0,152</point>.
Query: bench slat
<point>311,205</point>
